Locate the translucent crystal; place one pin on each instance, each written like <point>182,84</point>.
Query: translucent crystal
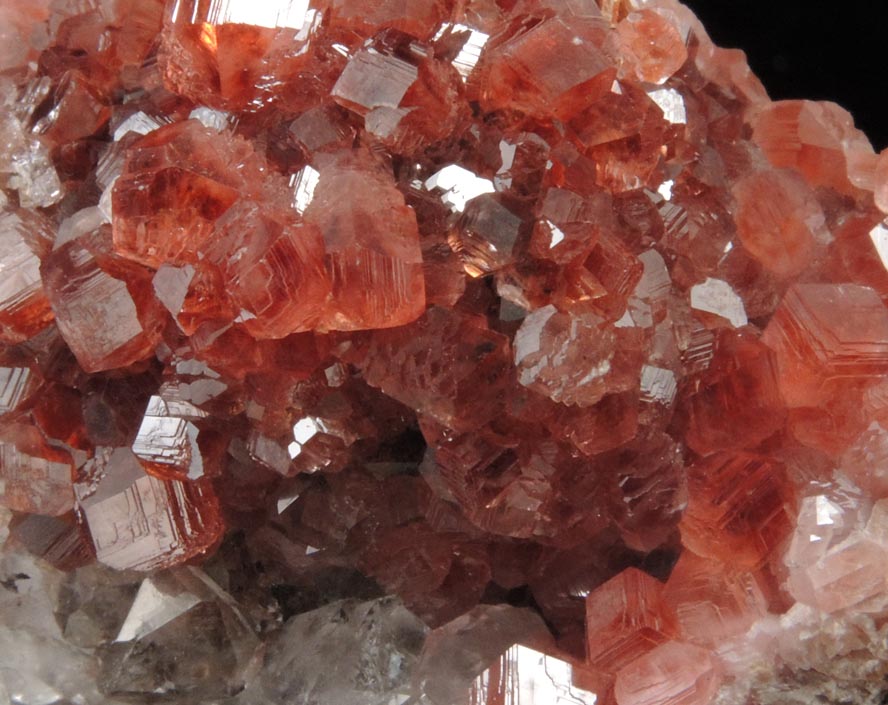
<point>353,653</point>
<point>424,352</point>
<point>24,309</point>
<point>626,618</point>
<point>140,522</point>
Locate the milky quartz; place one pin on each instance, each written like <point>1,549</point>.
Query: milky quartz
<point>385,352</point>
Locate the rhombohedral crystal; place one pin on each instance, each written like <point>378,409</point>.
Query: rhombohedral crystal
<point>423,352</point>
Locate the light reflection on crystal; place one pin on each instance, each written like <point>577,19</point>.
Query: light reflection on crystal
<point>139,522</point>
<point>25,239</point>
<point>285,501</point>
<point>524,676</point>
<point>458,186</point>
<point>373,80</point>
<point>716,296</point>
<point>671,102</point>
<point>879,237</point>
<point>470,52</point>
<point>658,385</point>
<point>304,431</point>
<point>304,184</point>
<point>152,609</point>
<point>214,119</point>
<point>557,234</point>
<point>14,384</point>
<point>291,13</point>
<point>138,123</point>
<point>167,440</point>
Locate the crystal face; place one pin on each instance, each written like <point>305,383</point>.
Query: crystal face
<point>421,352</point>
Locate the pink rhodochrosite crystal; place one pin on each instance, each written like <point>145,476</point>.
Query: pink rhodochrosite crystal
<point>652,47</point>
<point>104,307</point>
<point>393,352</point>
<point>626,618</point>
<point>174,186</point>
<point>671,674</point>
<point>371,245</point>
<point>24,310</point>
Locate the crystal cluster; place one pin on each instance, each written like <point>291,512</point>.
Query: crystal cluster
<point>422,352</point>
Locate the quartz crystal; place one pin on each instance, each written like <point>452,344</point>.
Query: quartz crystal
<point>423,352</point>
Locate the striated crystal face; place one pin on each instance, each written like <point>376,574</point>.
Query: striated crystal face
<point>736,402</point>
<point>554,356</point>
<point>235,54</point>
<point>166,442</point>
<point>24,309</point>
<point>139,522</point>
<point>441,381</point>
<point>423,352</point>
<point>371,246</point>
<point>652,47</point>
<point>817,343</point>
<point>524,675</point>
<point>103,306</point>
<point>625,619</point>
<point>271,265</point>
<point>552,68</point>
<point>779,220</point>
<point>34,477</point>
<point>818,140</point>
<point>737,508</point>
<point>671,674</point>
<point>176,182</point>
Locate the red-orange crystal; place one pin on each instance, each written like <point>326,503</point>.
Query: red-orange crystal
<point>626,618</point>
<point>540,302</point>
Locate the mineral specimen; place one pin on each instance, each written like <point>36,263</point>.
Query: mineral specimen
<point>426,352</point>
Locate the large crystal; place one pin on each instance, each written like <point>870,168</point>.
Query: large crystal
<point>182,634</point>
<point>176,182</point>
<point>140,522</point>
<point>104,306</point>
<point>353,653</point>
<point>423,352</point>
<point>371,243</point>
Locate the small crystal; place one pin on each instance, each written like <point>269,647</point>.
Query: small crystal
<point>24,309</point>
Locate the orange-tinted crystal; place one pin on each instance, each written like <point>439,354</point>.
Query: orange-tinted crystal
<point>625,619</point>
<point>739,508</point>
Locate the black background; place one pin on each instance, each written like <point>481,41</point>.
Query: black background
<point>821,50</point>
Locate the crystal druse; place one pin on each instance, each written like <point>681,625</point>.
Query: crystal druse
<point>433,352</point>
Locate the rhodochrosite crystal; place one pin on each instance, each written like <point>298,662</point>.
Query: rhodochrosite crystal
<point>423,352</point>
